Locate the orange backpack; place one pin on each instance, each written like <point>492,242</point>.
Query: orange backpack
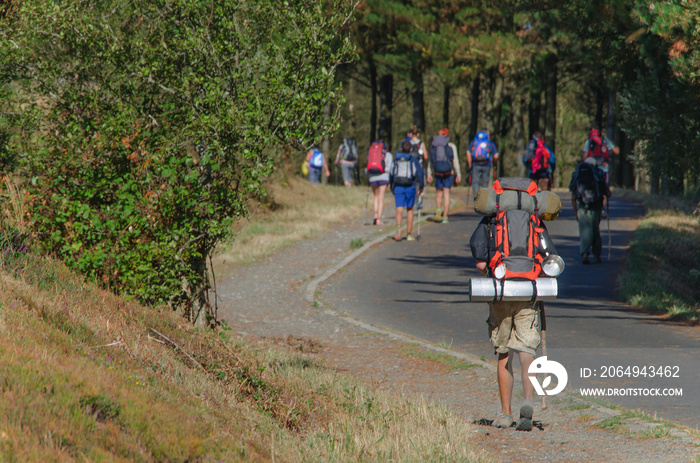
<point>517,234</point>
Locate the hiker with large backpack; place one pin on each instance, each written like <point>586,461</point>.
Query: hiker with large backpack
<point>418,149</point>
<point>511,243</point>
<point>406,172</point>
<point>539,157</point>
<point>599,147</point>
<point>444,166</point>
<point>317,163</point>
<point>379,163</point>
<point>481,154</point>
<point>347,158</point>
<point>589,190</point>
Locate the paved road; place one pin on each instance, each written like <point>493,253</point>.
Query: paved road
<point>420,289</point>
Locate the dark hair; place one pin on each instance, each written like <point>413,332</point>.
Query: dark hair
<point>538,135</point>
<point>414,130</point>
<point>406,146</point>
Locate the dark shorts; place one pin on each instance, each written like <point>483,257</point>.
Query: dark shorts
<point>443,181</point>
<point>405,196</point>
<point>379,183</point>
<point>542,173</point>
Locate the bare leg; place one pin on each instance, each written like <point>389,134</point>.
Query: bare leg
<point>399,217</point>
<point>409,220</point>
<point>446,194</point>
<point>375,200</point>
<point>438,199</point>
<point>380,200</point>
<point>525,361</point>
<point>505,381</point>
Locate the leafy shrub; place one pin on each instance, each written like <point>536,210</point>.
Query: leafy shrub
<point>144,128</point>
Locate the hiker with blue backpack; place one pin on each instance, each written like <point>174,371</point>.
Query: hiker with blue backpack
<point>406,172</point>
<point>444,167</point>
<point>317,163</point>
<point>481,154</point>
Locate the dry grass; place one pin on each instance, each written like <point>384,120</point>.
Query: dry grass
<point>87,376</point>
<point>293,211</point>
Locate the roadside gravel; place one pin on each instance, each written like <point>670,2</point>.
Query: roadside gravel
<point>275,300</point>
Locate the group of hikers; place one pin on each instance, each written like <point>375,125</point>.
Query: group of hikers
<point>414,164</point>
<point>514,326</point>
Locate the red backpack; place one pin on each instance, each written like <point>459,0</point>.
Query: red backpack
<point>517,234</point>
<point>596,145</point>
<point>541,158</point>
<point>375,158</point>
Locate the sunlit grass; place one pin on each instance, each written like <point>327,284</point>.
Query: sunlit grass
<point>294,211</point>
<point>88,376</point>
<point>662,270</point>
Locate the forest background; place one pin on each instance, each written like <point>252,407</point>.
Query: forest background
<point>133,135</point>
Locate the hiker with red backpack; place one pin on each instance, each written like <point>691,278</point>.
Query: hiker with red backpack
<point>512,244</point>
<point>379,163</point>
<point>317,163</point>
<point>481,154</point>
<point>444,167</point>
<point>598,147</point>
<point>540,161</point>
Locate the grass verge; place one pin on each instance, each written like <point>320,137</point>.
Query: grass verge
<point>87,376</point>
<point>662,270</point>
<point>293,211</point>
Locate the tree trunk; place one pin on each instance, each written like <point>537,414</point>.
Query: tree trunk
<point>550,127</point>
<point>326,144</point>
<point>519,134</point>
<point>599,103</point>
<point>495,113</point>
<point>533,113</point>
<point>386,97</point>
<point>373,109</point>
<point>446,106</point>
<point>474,122</point>
<point>417,98</point>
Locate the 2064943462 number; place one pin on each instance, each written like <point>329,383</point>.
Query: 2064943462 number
<point>644,371</point>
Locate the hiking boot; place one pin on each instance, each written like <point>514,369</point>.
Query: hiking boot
<point>445,220</point>
<point>585,260</point>
<point>410,238</point>
<point>525,423</point>
<point>397,238</point>
<point>504,422</point>
<point>598,260</point>
<point>438,215</point>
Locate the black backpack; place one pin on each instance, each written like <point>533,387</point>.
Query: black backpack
<point>588,184</point>
<point>349,149</point>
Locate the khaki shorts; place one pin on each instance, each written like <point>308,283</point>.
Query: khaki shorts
<point>514,325</point>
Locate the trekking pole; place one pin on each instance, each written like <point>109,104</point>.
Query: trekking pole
<point>335,169</point>
<point>420,207</point>
<point>607,208</point>
<point>543,323</point>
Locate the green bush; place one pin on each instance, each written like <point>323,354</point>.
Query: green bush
<point>144,128</point>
